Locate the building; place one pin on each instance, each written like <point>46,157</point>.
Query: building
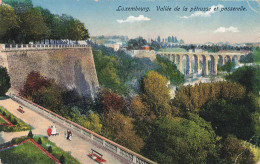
<point>116,47</point>
<point>146,47</point>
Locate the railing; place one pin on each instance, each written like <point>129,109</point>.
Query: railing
<point>110,145</point>
<point>10,47</point>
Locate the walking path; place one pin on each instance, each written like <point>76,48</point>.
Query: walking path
<point>78,147</point>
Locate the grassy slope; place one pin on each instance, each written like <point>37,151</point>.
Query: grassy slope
<point>25,153</point>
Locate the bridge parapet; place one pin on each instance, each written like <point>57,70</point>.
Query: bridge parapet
<point>16,47</point>
<point>102,141</point>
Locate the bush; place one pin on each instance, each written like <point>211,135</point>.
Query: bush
<point>4,114</point>
<point>50,149</point>
<point>14,121</point>
<point>62,159</point>
<point>39,141</point>
<point>30,134</point>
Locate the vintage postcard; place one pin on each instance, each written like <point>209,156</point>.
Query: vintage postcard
<point>130,81</point>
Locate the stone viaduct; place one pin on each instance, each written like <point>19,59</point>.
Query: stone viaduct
<point>202,62</point>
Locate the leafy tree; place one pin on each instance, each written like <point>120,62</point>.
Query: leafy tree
<point>192,98</point>
<point>20,6</point>
<point>247,58</point>
<point>228,67</point>
<point>248,76</point>
<point>111,101</point>
<point>107,72</point>
<point>8,22</point>
<point>229,118</point>
<point>136,44</point>
<point>121,130</point>
<point>169,70</point>
<point>4,81</point>
<point>156,94</point>
<point>234,151</point>
<point>30,134</point>
<point>180,140</point>
<point>32,25</point>
<point>34,84</point>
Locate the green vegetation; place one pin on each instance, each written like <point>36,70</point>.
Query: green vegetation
<point>178,140</point>
<point>2,121</point>
<point>18,124</point>
<point>56,151</point>
<point>172,50</point>
<point>23,23</point>
<point>25,153</point>
<point>4,81</point>
<point>257,55</point>
<point>168,69</point>
<point>228,67</point>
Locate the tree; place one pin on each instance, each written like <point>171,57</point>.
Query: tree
<point>111,101</point>
<point>121,130</point>
<point>233,150</point>
<point>228,67</point>
<point>30,134</point>
<point>155,93</point>
<point>169,70</point>
<point>229,118</point>
<point>192,98</point>
<point>32,25</point>
<point>39,141</point>
<point>178,140</point>
<point>4,81</point>
<point>20,6</point>
<point>248,76</point>
<point>8,22</point>
<point>136,44</point>
<point>50,149</point>
<point>62,159</point>
<point>34,84</point>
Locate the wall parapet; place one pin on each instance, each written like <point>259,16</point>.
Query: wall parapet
<point>10,47</point>
<point>106,143</point>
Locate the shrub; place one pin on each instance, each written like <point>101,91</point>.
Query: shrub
<point>50,149</point>
<point>39,141</point>
<point>4,114</point>
<point>62,159</point>
<point>30,134</point>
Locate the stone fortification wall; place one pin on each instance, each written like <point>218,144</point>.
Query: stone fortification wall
<point>69,67</point>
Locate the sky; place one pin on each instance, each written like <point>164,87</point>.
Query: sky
<point>210,24</point>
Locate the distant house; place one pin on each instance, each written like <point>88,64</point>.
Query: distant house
<point>116,47</point>
<point>146,47</point>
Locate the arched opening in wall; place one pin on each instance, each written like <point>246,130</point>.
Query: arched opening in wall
<point>203,65</point>
<point>177,61</point>
<point>211,64</point>
<point>169,57</point>
<point>227,59</point>
<point>235,60</point>
<point>220,61</point>
<point>174,59</point>
<point>194,68</point>
<point>185,64</point>
<point>242,59</point>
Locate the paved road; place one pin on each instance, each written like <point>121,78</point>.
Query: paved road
<point>78,147</point>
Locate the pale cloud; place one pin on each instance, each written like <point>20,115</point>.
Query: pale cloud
<point>228,29</point>
<point>132,19</point>
<point>204,14</point>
